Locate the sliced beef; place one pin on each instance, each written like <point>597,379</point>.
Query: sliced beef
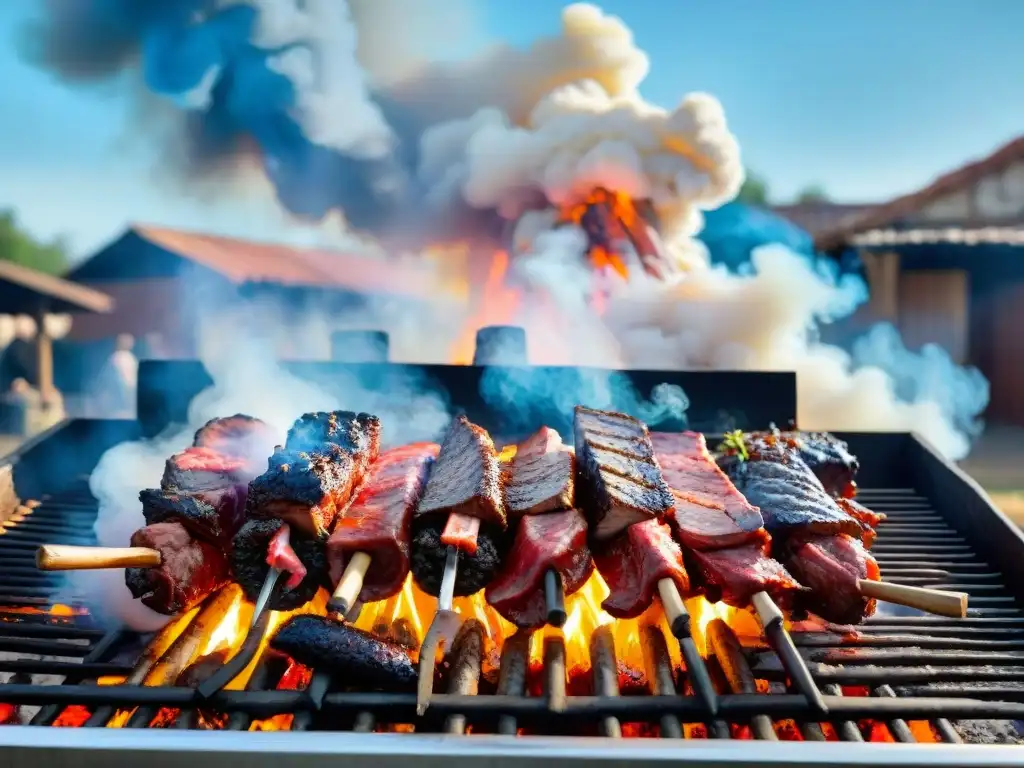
<point>467,477</point>
<point>555,541</point>
<point>634,562</point>
<point>189,569</point>
<point>540,475</point>
<point>249,561</point>
<point>379,520</point>
<point>200,468</point>
<point>306,490</point>
<point>708,512</point>
<point>213,515</point>
<point>240,436</point>
<point>830,567</point>
<point>476,569</point>
<point>357,434</point>
<point>355,656</point>
<point>736,574</point>
<point>618,482</point>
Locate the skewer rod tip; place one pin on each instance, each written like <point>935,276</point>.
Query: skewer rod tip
<point>936,601</point>
<point>58,557</point>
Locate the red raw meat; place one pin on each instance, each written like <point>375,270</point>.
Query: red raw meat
<point>379,519</point>
<point>461,532</point>
<point>281,556</point>
<point>734,575</point>
<point>553,541</point>
<point>634,562</point>
<point>709,513</point>
<point>830,566</point>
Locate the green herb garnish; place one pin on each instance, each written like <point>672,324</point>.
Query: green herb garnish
<point>734,444</point>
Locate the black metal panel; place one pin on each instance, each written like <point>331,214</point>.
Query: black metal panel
<point>718,399</point>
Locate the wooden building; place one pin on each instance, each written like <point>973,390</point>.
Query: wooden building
<point>945,264</point>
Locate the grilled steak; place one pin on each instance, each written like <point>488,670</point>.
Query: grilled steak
<point>734,575</point>
<point>830,567</point>
<point>634,562</point>
<point>307,490</point>
<point>240,436</point>
<point>197,469</point>
<point>617,480</point>
<point>476,569</point>
<point>379,520</point>
<point>555,541</point>
<point>708,512</point>
<point>357,434</point>
<point>213,515</point>
<point>357,657</point>
<point>827,456</point>
<point>249,561</point>
<point>467,477</point>
<point>540,475</point>
<point>189,569</point>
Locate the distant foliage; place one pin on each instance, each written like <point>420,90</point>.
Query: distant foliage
<point>18,246</point>
<point>814,193</point>
<point>754,190</point>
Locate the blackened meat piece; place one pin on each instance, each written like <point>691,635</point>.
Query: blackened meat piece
<point>633,563</point>
<point>189,569</point>
<point>196,469</point>
<point>357,434</point>
<point>540,475</point>
<point>249,560</point>
<point>213,515</point>
<point>618,482</point>
<point>708,512</point>
<point>791,498</point>
<point>736,574</point>
<point>306,490</point>
<point>554,541</point>
<point>355,656</point>
<point>475,570</point>
<point>830,567</point>
<point>827,456</point>
<point>467,477</point>
<point>241,436</point>
<point>379,520</point>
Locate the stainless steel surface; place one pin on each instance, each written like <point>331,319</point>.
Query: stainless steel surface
<point>23,747</point>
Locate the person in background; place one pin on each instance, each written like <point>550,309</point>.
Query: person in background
<point>119,380</point>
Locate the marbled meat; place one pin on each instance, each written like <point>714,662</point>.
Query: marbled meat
<point>189,569</point>
<point>553,541</point>
<point>830,567</point>
<point>708,512</point>
<point>634,562</point>
<point>249,562</point>
<point>467,477</point>
<point>379,520</point>
<point>735,575</point>
<point>540,475</point>
<point>213,515</point>
<point>618,482</point>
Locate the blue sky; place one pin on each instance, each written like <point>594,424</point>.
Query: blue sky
<point>870,99</point>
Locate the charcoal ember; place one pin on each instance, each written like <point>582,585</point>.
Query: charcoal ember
<point>200,468</point>
<point>356,656</point>
<point>357,434</point>
<point>213,515</point>
<point>189,570</point>
<point>249,560</point>
<point>306,490</point>
<point>475,570</point>
<point>467,477</point>
<point>202,669</point>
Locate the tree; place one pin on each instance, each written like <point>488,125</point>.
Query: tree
<point>20,247</point>
<point>754,190</point>
<point>813,193</point>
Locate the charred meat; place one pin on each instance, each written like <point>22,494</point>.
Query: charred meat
<point>618,482</point>
<point>555,541</point>
<point>355,656</point>
<point>249,559</point>
<point>708,512</point>
<point>467,477</point>
<point>357,434</point>
<point>827,456</point>
<point>634,562</point>
<point>213,515</point>
<point>830,566</point>
<point>736,574</point>
<point>476,568</point>
<point>540,475</point>
<point>379,520</point>
<point>189,569</point>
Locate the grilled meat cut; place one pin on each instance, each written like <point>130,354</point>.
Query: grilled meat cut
<point>307,490</point>
<point>554,541</point>
<point>827,456</point>
<point>467,477</point>
<point>249,562</point>
<point>830,567</point>
<point>476,568</point>
<point>213,515</point>
<point>540,475</point>
<point>634,562</point>
<point>617,479</point>
<point>189,569</point>
<point>379,520</point>
<point>240,436</point>
<point>736,574</point>
<point>357,434</point>
<point>708,512</point>
<point>200,468</point>
<point>861,513</point>
<point>357,657</point>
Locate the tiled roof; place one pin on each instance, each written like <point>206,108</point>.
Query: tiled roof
<point>824,216</point>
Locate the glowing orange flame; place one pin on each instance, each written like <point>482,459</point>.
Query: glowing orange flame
<point>496,304</point>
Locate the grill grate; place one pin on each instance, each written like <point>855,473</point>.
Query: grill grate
<point>910,667</point>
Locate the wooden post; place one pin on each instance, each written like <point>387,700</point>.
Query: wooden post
<point>44,355</point>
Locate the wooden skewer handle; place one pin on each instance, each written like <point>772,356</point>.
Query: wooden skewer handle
<point>350,584</point>
<point>936,601</point>
<point>675,610</point>
<point>56,557</point>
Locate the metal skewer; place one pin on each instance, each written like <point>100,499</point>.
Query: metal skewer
<point>679,622</point>
<point>772,621</point>
<point>442,632</point>
<point>554,598</point>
